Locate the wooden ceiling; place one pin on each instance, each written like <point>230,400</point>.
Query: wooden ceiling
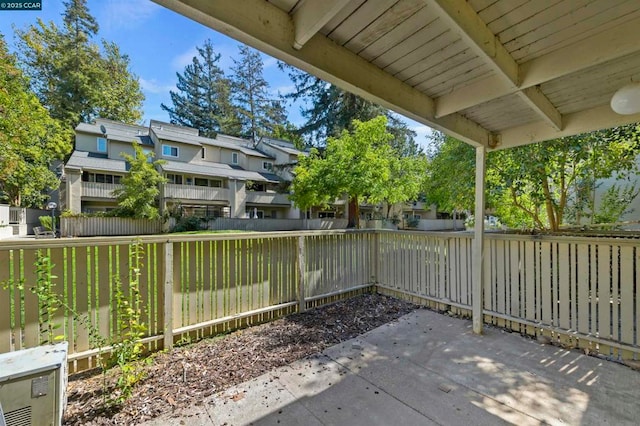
<point>498,73</point>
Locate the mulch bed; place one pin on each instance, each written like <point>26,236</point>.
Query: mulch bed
<point>185,376</point>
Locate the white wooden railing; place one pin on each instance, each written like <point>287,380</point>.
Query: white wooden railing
<point>192,192</point>
<point>99,190</point>
<point>579,292</point>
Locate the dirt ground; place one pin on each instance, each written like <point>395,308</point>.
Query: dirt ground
<point>186,375</point>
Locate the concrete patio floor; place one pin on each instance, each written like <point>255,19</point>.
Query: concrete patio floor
<point>430,369</point>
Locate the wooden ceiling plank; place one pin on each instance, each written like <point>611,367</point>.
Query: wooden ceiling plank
<point>359,19</point>
<point>387,42</point>
<point>600,117</point>
<point>399,13</point>
<point>597,49</point>
<point>459,15</point>
<point>271,30</point>
<point>416,44</point>
<point>311,16</point>
<point>341,16</point>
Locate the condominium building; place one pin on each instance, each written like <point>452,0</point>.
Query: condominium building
<point>221,176</point>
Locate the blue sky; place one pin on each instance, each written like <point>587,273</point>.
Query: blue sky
<point>159,43</point>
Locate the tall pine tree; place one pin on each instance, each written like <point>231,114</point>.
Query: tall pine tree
<point>260,113</point>
<point>72,77</point>
<point>204,97</point>
<point>329,110</point>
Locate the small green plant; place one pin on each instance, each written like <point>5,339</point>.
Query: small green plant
<point>413,222</point>
<point>128,349</point>
<point>48,222</point>
<point>188,223</point>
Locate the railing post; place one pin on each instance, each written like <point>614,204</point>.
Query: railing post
<point>301,271</point>
<point>167,251</point>
<point>477,299</point>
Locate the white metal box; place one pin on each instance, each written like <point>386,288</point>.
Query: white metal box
<point>33,386</point>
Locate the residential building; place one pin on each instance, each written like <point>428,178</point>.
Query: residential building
<point>222,176</point>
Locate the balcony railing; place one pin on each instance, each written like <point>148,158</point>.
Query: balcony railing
<point>191,192</point>
<point>260,197</point>
<point>98,189</point>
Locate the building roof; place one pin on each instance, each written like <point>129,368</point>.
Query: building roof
<point>117,131</point>
<point>91,161</point>
<point>219,170</point>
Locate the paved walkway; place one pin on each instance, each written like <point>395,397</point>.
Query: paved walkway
<point>429,369</point>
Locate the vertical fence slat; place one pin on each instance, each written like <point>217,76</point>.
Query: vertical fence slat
<point>5,303</point>
<point>583,296</point>
<point>564,282</point>
<point>604,291</point>
<point>627,320</point>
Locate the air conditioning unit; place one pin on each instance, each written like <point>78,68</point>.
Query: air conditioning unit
<point>33,386</point>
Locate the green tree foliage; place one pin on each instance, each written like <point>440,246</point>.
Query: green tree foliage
<point>72,77</point>
<point>450,179</point>
<point>360,164</point>
<point>140,188</point>
<point>329,110</point>
<point>541,185</point>
<point>260,113</point>
<point>30,140</point>
<point>203,100</point>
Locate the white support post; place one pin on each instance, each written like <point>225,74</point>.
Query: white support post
<point>301,271</point>
<point>477,299</point>
<point>167,249</point>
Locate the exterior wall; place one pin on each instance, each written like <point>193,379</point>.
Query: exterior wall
<point>255,164</point>
<point>237,198</point>
<point>117,148</point>
<point>86,142</point>
<point>225,157</point>
<point>213,154</point>
<point>74,191</point>
<point>186,152</point>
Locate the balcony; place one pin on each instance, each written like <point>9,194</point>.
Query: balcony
<point>190,192</point>
<point>261,197</point>
<point>99,190</point>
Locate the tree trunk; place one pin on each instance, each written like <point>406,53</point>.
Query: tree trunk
<point>354,213</point>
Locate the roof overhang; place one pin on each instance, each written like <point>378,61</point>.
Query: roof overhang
<point>492,73</point>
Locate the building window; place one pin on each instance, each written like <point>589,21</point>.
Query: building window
<point>234,158</point>
<point>200,182</point>
<point>215,183</point>
<point>102,145</point>
<point>169,151</point>
<point>100,178</point>
<point>175,179</point>
<point>267,165</point>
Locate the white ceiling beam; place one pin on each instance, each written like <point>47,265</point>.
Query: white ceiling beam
<point>461,17</point>
<point>311,16</point>
<point>537,101</point>
<point>575,123</point>
<point>608,45</point>
<point>264,26</point>
<point>464,21</point>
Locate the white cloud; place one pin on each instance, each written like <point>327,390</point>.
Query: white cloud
<point>118,14</point>
<point>268,61</point>
<point>152,86</point>
<point>180,61</point>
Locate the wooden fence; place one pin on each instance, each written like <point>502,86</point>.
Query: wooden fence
<point>107,226</point>
<point>191,286</point>
<point>579,291</point>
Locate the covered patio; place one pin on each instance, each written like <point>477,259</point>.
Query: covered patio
<point>430,369</point>
<point>493,73</point>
